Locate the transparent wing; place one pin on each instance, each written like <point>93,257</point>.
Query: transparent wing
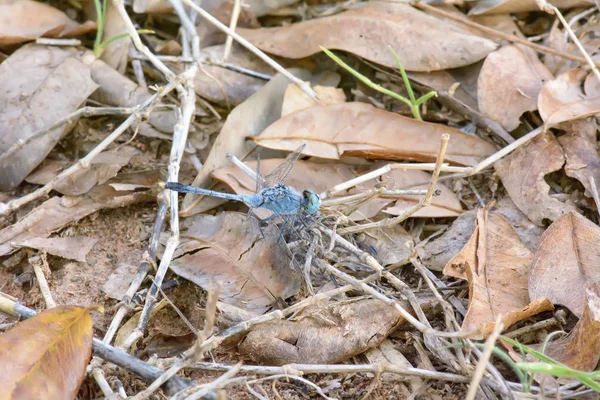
<point>259,178</point>
<point>281,172</point>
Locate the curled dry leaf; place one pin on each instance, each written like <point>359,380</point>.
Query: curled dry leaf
<point>322,177</point>
<point>24,20</point>
<point>361,130</point>
<point>567,259</point>
<point>522,173</point>
<point>73,248</point>
<point>229,248</point>
<point>46,355</point>
<point>324,334</point>
<point>103,167</point>
<point>509,83</point>
<point>563,99</point>
<point>56,212</point>
<point>517,6</point>
<point>38,86</point>
<point>423,42</point>
<point>496,264</point>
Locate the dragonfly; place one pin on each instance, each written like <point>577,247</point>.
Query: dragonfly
<point>271,193</point>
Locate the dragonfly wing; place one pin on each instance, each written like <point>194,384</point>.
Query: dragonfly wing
<point>281,172</point>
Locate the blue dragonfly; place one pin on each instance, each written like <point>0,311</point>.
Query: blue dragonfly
<point>271,193</point>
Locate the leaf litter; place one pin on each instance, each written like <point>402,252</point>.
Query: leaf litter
<point>371,285</point>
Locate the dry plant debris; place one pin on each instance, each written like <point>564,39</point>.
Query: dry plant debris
<point>442,221</point>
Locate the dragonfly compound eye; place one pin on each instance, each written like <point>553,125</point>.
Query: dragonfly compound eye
<point>312,201</point>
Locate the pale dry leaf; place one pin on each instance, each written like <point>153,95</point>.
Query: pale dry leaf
<point>567,257</point>
<point>295,99</point>
<point>451,83</point>
<point>38,86</point>
<point>387,353</point>
<point>55,213</point>
<point>131,324</point>
<point>324,334</point>
<point>522,173</point>
<point>497,265</point>
<point>423,43</point>
<point>25,20</point>
<point>73,248</point>
<point>509,83</point>
<point>390,246</point>
<point>103,167</point>
<point>230,248</point>
<point>361,130</point>
<point>115,54</point>
<point>518,6</point>
<point>120,279</point>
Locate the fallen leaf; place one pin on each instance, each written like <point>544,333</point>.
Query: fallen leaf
<point>295,99</point>
<point>46,356</point>
<point>390,246</point>
<point>116,53</point>
<point>567,259</point>
<point>56,212</point>
<point>509,83</point>
<point>131,324</point>
<point>423,42</point>
<point>361,130</point>
<point>563,99</point>
<point>120,279</point>
<point>25,20</point>
<point>450,81</point>
<point>72,248</point>
<point>324,334</point>
<point>518,6</point>
<point>529,233</point>
<point>497,265</point>
<point>229,248</point>
<point>522,173</point>
<point>39,85</point>
<point>387,353</point>
<point>103,167</point>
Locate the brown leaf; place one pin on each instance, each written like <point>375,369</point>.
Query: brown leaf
<point>295,99</point>
<point>46,356</point>
<point>390,246</point>
<point>517,6</point>
<point>361,130</point>
<point>56,212</point>
<point>322,177</point>
<point>509,83</point>
<point>120,279</point>
<point>38,86</point>
<point>116,53</point>
<point>423,42</point>
<point>522,174</point>
<point>323,334</point>
<point>73,248</point>
<point>567,259</point>
<point>563,99</point>
<point>229,248</point>
<point>104,166</point>
<point>496,263</point>
<point>24,20</point>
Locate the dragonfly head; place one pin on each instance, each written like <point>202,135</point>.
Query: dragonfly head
<point>312,201</point>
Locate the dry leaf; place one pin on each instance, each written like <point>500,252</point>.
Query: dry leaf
<point>563,99</point>
<point>322,177</point>
<point>323,334</point>
<point>103,167</point>
<point>120,279</point>
<point>46,355</point>
<point>56,212</point>
<point>517,6</point>
<point>509,83</point>
<point>423,42</point>
<point>522,173</point>
<point>452,82</point>
<point>390,246</point>
<point>131,324</point>
<point>387,353</point>
<point>497,264</point>
<point>38,86</point>
<point>230,248</point>
<point>72,248</point>
<point>25,20</point>
<point>295,99</point>
<point>567,259</point>
<point>361,130</point>
<point>116,53</point>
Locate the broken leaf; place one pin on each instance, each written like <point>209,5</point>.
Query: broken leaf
<point>423,42</point>
<point>230,248</point>
<point>567,259</point>
<point>522,173</point>
<point>39,85</point>
<point>361,130</point>
<point>496,264</point>
<point>509,83</point>
<point>73,248</point>
<point>24,20</point>
<point>518,6</point>
<point>46,355</point>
